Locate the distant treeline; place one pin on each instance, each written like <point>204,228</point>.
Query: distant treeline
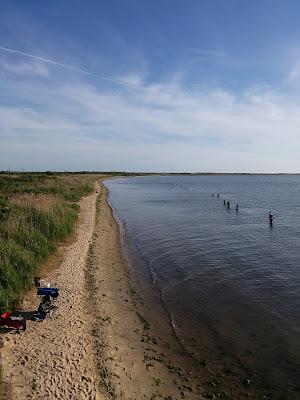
<point>52,173</point>
<point>127,173</point>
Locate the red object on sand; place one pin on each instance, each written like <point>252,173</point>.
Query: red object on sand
<point>7,319</point>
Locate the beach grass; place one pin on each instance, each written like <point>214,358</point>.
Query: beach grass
<point>37,210</point>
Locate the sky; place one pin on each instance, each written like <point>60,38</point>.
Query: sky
<point>160,85</point>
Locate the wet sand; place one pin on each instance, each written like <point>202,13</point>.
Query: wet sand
<point>133,361</point>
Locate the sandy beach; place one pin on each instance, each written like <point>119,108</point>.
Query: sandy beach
<point>97,344</point>
<point>54,358</point>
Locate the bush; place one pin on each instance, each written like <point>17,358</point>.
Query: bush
<point>4,207</point>
<point>27,238</point>
<point>32,224</point>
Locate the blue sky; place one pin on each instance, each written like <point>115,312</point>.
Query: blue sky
<point>150,85</point>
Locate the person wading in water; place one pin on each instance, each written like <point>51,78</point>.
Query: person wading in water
<point>271,218</point>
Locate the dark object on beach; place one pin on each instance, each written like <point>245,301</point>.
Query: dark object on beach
<point>37,281</point>
<point>224,202</point>
<point>46,305</point>
<point>237,207</point>
<point>271,218</point>
<point>218,195</point>
<point>42,312</point>
<point>47,301</point>
<point>228,204</point>
<point>9,320</point>
<point>52,292</point>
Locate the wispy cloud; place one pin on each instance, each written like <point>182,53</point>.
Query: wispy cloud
<point>178,127</point>
<point>131,80</point>
<point>46,60</point>
<point>35,68</point>
<point>206,54</point>
<point>57,64</point>
<point>38,68</point>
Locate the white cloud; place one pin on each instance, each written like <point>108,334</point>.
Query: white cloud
<point>131,80</point>
<point>43,59</point>
<point>55,63</point>
<point>162,126</point>
<point>25,68</point>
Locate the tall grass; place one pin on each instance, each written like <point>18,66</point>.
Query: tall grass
<point>36,212</point>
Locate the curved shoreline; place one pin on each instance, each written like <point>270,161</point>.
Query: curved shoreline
<point>127,261</point>
<point>133,362</point>
<point>221,370</point>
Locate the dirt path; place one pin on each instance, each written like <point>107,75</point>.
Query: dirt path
<point>53,359</point>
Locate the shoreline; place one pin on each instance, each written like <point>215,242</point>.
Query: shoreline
<point>216,372</point>
<point>133,360</point>
<point>111,336</point>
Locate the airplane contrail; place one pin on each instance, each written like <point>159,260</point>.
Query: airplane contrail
<point>58,64</point>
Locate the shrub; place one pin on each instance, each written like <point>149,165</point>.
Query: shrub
<point>32,224</point>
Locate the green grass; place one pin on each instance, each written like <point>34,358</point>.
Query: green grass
<point>70,187</point>
<point>36,212</point>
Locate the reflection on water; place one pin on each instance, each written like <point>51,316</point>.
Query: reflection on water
<point>230,282</point>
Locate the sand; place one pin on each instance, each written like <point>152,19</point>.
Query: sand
<point>132,361</point>
<point>97,344</point>
<point>53,359</point>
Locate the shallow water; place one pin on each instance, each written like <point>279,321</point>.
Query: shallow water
<point>230,282</point>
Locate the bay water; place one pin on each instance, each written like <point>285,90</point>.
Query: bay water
<point>229,281</point>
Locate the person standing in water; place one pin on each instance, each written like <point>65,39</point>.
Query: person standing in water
<point>224,202</point>
<point>218,195</point>
<point>237,207</point>
<point>228,204</point>
<point>271,218</point>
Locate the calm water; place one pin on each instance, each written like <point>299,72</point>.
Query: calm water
<point>229,281</point>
